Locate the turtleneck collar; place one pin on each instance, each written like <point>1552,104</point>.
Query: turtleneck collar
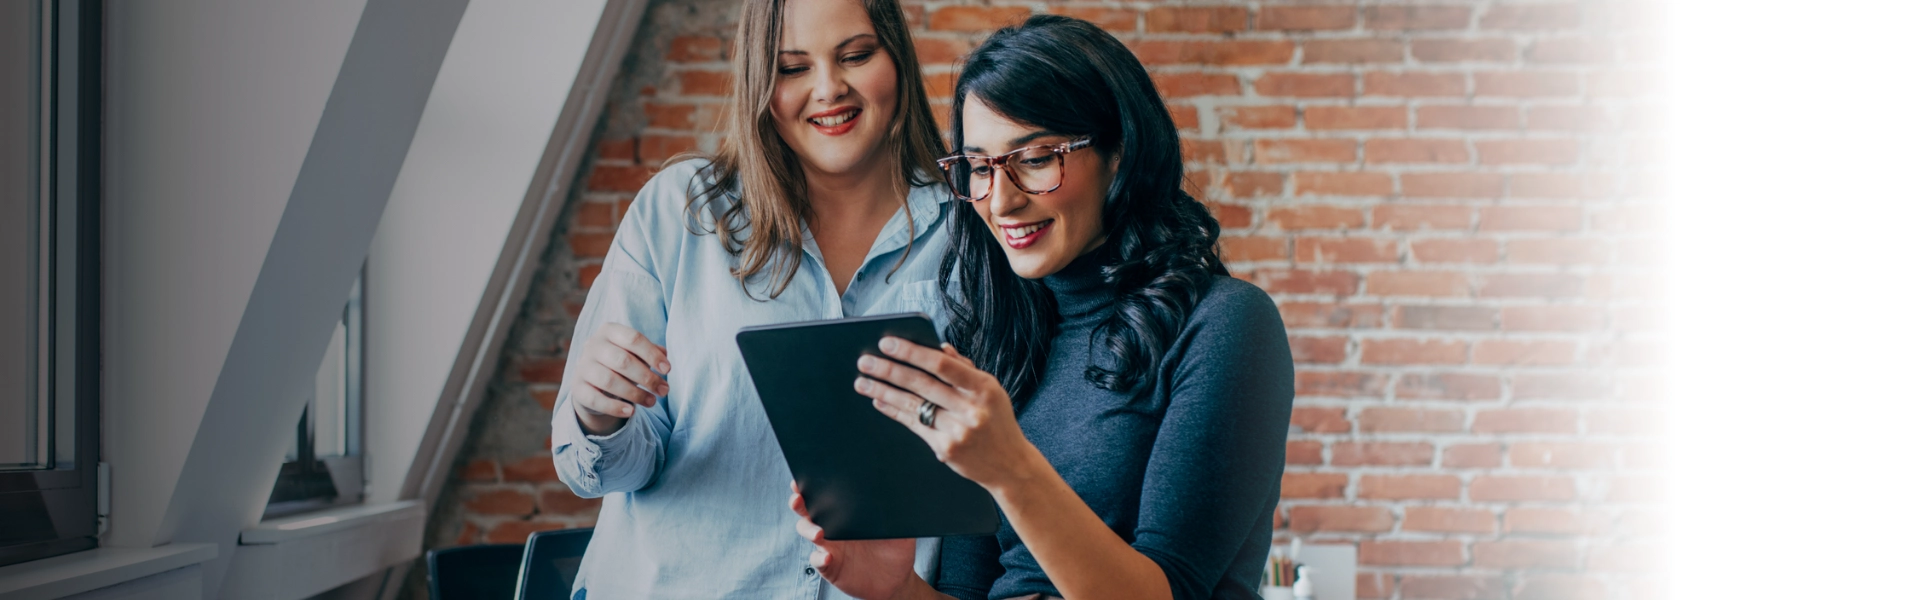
<point>1080,289</point>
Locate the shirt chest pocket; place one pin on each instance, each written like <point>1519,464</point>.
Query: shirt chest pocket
<point>924,297</point>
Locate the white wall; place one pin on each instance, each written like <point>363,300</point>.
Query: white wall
<point>499,96</point>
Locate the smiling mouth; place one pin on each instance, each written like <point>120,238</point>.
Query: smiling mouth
<point>835,121</point>
<point>1026,235</point>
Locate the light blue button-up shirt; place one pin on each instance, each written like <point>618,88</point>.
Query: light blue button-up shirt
<point>695,487</point>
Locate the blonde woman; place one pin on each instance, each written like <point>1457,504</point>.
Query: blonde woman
<point>824,201</point>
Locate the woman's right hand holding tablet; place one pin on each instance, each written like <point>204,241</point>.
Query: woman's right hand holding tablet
<point>866,569</point>
<point>619,368</point>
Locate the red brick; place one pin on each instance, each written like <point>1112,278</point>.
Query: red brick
<point>1298,151</point>
<point>1415,84</point>
<point>594,215</point>
<point>540,370</point>
<point>1452,318</point>
<point>1468,117</point>
<point>1525,84</point>
<point>1313,485</point>
<point>1183,85</point>
<point>1497,488</point>
<point>591,244</point>
<point>516,532</point>
<point>1321,419</point>
<point>696,48</point>
<point>1301,281</point>
<point>1331,350</point>
<point>1396,18</point>
<point>1559,185</point>
<point>1330,315</point>
<point>1355,117</point>
<point>1552,318</point>
<point>1214,52</point>
<point>1342,183</point>
<point>1550,521</point>
<point>499,501</point>
<point>1456,251</point>
<point>1197,19</point>
<point>1197,151</point>
<point>617,150</point>
<point>1253,184</point>
<point>563,502</point>
<point>1417,283</point>
<point>1531,16</point>
<point>1415,217</point>
<point>1526,420</point>
<point>1562,587</point>
<point>1232,216</point>
<point>1241,248</point>
<point>1385,419</point>
<point>1114,20</point>
<point>1304,452</point>
<point>1557,252</point>
<point>1305,85</point>
<point>1524,352</point>
<point>1448,386</point>
<point>1412,554</point>
<point>606,178</point>
<point>704,83</point>
<point>1257,117</point>
<point>1530,218</point>
<point>1528,152</point>
<point>1400,454</point>
<point>1561,455</point>
<point>1416,150</point>
<point>588,273</point>
<point>1346,250</point>
<point>1304,18</point>
<point>1311,519</point>
<point>1409,487</point>
<point>1452,587</point>
<point>480,470</point>
<point>1343,384</point>
<point>1448,520</point>
<point>939,51</point>
<point>1523,554</point>
<point>976,18</point>
<point>1532,285</point>
<point>535,469</point>
<point>1317,216</point>
<point>1373,585</point>
<point>660,147</point>
<point>1394,351</point>
<point>1352,51</point>
<point>1450,185</point>
<point>545,398</point>
<point>1464,50</point>
<point>1471,456</point>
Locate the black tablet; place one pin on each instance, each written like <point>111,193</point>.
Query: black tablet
<point>861,474</point>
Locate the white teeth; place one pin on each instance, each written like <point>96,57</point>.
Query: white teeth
<point>1026,231</point>
<point>835,120</point>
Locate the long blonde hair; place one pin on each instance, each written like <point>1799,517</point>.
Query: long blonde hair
<point>757,164</point>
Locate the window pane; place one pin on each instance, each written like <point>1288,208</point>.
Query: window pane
<point>330,398</point>
<point>23,220</point>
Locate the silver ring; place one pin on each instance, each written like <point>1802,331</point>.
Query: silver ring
<point>926,412</point>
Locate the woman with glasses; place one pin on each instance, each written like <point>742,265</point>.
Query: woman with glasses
<point>1123,400</point>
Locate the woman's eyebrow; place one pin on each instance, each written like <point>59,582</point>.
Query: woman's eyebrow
<point>837,47</point>
<point>1017,143</point>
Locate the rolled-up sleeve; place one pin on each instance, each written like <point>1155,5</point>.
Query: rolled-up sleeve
<point>627,291</point>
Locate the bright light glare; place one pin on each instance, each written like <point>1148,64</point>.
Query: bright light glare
<point>1795,238</point>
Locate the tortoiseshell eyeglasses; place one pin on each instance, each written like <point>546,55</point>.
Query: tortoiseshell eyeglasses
<point>1033,169</point>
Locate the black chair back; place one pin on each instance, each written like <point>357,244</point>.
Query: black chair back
<point>552,559</point>
<point>482,572</point>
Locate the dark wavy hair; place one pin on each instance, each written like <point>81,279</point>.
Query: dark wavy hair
<point>1067,76</point>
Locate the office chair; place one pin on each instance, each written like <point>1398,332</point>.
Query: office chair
<point>552,559</point>
<point>481,572</point>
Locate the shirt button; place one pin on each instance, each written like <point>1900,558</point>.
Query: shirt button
<point>809,571</point>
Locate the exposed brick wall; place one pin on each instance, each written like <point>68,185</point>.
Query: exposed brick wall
<point>1450,202</point>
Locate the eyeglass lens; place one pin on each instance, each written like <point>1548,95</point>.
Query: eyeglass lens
<point>1033,170</point>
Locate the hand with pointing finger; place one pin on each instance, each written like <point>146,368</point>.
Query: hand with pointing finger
<point>618,369</point>
<point>973,430</point>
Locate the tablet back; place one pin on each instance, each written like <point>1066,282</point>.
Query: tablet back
<point>861,474</point>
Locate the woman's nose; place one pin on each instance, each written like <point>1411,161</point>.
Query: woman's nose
<point>828,85</point>
<point>1005,196</point>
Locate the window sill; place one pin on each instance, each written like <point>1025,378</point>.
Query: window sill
<point>302,555</point>
<point>80,572</point>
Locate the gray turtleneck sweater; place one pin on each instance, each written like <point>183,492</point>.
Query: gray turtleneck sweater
<point>1187,471</point>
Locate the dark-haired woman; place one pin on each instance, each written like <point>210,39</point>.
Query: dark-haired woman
<point>1121,397</point>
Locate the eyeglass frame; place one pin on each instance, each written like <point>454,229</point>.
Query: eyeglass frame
<point>999,163</point>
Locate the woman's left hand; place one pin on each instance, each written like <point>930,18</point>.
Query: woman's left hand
<point>974,430</point>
